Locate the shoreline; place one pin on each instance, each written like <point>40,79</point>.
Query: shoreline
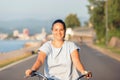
<point>16,55</point>
<point>13,45</point>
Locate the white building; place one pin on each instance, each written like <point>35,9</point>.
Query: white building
<point>3,36</point>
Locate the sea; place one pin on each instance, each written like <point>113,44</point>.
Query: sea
<point>11,45</point>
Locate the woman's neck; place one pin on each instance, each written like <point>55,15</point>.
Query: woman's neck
<point>57,43</point>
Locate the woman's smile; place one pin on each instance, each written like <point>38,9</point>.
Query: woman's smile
<point>58,31</point>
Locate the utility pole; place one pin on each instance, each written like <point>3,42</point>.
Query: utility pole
<point>106,23</point>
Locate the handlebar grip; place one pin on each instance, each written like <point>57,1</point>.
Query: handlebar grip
<point>33,73</point>
<point>80,77</point>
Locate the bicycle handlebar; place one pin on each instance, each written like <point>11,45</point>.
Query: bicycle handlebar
<point>38,74</point>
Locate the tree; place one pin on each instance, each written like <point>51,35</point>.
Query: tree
<point>72,21</point>
<point>97,17</point>
<point>114,18</point>
<point>114,14</point>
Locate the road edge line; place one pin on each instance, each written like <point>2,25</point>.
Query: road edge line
<point>12,64</point>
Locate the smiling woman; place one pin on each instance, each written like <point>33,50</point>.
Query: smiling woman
<point>61,57</point>
<point>58,30</point>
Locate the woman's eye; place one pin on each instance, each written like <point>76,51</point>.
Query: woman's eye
<point>56,29</point>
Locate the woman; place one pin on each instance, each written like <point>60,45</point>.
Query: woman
<point>61,57</point>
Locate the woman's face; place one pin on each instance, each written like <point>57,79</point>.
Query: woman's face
<point>58,31</point>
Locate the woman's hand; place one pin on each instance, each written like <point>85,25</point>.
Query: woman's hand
<point>87,74</point>
<point>28,72</point>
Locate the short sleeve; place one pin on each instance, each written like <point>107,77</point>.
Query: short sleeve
<point>73,47</point>
<point>46,47</point>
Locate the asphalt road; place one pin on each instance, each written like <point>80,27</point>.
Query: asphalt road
<point>102,66</point>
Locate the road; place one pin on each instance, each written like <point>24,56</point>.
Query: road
<point>102,66</point>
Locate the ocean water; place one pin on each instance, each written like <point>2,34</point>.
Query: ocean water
<point>11,45</point>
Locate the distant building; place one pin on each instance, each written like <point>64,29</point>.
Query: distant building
<point>21,36</point>
<point>25,35</point>
<point>3,36</point>
<point>15,33</point>
<point>26,32</point>
<point>84,34</point>
<point>41,36</point>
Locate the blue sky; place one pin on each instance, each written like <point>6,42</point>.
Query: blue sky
<point>41,9</point>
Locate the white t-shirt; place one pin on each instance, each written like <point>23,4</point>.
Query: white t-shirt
<point>58,63</point>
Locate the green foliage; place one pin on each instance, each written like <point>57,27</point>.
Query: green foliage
<point>114,14</point>
<point>115,33</point>
<point>112,49</point>
<point>72,21</point>
<point>98,18</point>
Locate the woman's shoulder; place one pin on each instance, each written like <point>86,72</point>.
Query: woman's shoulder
<point>70,42</point>
<point>72,45</point>
<point>47,43</point>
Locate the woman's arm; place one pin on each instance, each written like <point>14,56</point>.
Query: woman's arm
<point>40,60</point>
<point>76,61</point>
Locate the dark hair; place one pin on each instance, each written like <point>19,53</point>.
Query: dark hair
<point>59,21</point>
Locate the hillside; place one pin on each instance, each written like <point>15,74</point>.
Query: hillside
<point>33,25</point>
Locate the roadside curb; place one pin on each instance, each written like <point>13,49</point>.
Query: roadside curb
<point>106,52</point>
<point>12,64</point>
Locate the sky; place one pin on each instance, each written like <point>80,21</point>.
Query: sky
<point>42,9</point>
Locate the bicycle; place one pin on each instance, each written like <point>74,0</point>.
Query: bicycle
<point>40,75</point>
